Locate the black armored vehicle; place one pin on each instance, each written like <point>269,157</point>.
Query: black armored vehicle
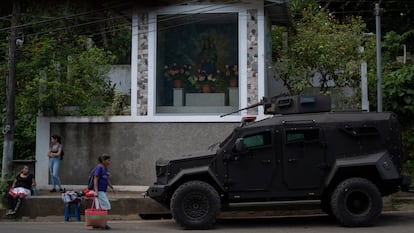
<point>347,160</point>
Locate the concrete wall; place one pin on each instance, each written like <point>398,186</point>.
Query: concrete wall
<point>134,147</point>
<point>120,75</point>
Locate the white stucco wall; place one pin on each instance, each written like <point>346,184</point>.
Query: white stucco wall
<point>120,75</point>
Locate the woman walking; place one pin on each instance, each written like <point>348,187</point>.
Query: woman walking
<point>101,182</point>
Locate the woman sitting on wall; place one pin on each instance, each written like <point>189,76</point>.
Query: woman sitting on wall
<point>21,187</point>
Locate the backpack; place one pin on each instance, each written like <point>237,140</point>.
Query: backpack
<point>90,179</point>
<point>61,155</point>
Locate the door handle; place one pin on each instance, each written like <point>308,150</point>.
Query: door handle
<point>266,161</point>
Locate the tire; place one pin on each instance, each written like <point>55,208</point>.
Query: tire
<point>356,202</point>
<point>195,205</point>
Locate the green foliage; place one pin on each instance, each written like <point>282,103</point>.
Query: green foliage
<point>120,104</point>
<point>59,65</point>
<point>47,82</point>
<point>319,45</point>
<point>4,189</point>
<point>120,44</point>
<point>297,7</point>
<point>397,87</point>
<point>70,76</point>
<point>392,47</point>
<point>399,91</point>
<point>398,96</point>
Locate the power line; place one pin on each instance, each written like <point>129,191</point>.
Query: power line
<point>90,13</point>
<point>162,18</point>
<point>62,17</point>
<point>72,26</point>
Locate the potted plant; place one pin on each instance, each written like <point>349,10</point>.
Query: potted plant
<point>177,74</point>
<point>203,81</point>
<point>232,75</point>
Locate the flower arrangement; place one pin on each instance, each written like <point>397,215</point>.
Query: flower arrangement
<point>196,81</point>
<point>231,74</point>
<point>202,77</point>
<point>177,74</point>
<point>174,72</point>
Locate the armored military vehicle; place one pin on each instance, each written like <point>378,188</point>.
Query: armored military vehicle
<point>347,160</point>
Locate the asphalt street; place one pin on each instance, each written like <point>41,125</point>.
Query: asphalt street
<point>398,221</point>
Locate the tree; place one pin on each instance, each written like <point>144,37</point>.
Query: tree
<point>398,88</point>
<point>319,42</point>
<point>396,15</point>
<point>74,75</point>
<point>67,52</point>
<point>319,45</point>
<point>399,98</point>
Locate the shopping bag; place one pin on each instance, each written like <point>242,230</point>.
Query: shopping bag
<point>96,216</point>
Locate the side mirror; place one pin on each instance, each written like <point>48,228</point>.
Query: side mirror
<point>240,147</point>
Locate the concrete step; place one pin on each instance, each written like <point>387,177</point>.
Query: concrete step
<point>134,206</point>
<point>125,205</point>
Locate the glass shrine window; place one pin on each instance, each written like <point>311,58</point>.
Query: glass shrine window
<point>197,64</point>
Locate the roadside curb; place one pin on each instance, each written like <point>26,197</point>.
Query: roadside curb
<point>134,206</point>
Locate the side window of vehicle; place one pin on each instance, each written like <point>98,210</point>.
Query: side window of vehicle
<point>361,131</point>
<point>257,140</point>
<point>302,135</point>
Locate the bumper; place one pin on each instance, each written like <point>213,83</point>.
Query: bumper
<point>156,191</point>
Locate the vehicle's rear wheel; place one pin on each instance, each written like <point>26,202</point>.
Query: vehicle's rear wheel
<point>195,205</point>
<point>356,202</point>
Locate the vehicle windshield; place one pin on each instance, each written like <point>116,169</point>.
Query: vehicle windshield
<point>214,146</point>
<point>226,140</point>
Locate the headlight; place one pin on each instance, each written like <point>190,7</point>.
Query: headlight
<point>161,170</point>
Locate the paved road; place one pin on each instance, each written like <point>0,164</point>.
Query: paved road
<point>388,222</point>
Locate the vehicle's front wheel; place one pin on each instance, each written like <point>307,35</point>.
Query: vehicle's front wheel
<point>195,205</point>
<point>356,202</point>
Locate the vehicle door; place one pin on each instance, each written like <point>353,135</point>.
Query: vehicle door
<point>253,165</point>
<point>304,157</point>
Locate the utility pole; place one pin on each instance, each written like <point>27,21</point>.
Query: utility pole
<point>364,84</point>
<point>379,66</point>
<point>10,95</point>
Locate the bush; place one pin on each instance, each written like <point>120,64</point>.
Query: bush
<point>4,189</point>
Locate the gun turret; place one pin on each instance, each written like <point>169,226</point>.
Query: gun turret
<point>248,107</point>
<point>296,104</point>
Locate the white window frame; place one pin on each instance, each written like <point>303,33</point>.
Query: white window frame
<point>242,30</point>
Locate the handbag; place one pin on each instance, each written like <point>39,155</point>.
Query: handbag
<point>70,197</point>
<point>96,216</point>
